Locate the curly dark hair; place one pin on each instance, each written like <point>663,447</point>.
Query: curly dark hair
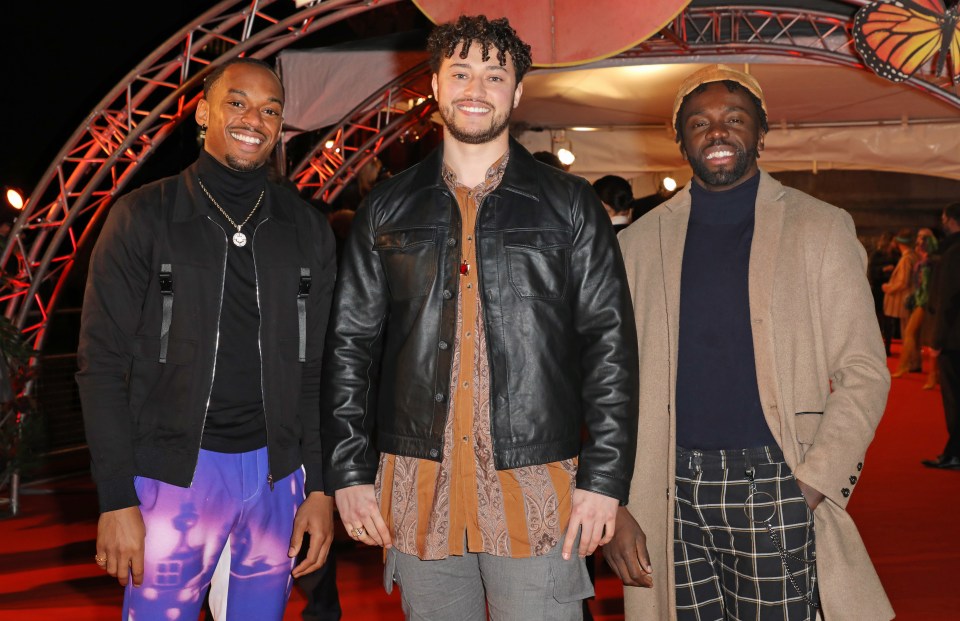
<point>497,33</point>
<point>732,87</point>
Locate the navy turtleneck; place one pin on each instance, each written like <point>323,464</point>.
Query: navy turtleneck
<point>235,421</point>
<point>718,401</point>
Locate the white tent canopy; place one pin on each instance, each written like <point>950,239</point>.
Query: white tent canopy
<point>821,116</point>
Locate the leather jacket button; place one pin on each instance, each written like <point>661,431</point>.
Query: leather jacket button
<point>446,294</point>
<point>451,242</point>
<point>438,397</point>
<point>443,345</point>
<point>434,452</point>
<point>845,492</point>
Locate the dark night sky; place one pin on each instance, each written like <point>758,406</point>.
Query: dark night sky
<point>61,59</point>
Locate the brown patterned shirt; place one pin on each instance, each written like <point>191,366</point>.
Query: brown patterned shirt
<point>435,509</point>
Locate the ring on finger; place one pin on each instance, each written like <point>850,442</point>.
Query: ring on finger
<point>100,560</point>
<point>358,532</point>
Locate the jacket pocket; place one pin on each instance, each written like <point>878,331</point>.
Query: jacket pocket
<point>807,424</point>
<point>409,258</point>
<point>537,262</point>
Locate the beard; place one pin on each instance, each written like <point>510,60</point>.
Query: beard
<point>244,165</point>
<point>498,125</point>
<point>724,176</point>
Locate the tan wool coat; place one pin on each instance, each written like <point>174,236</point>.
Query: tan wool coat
<point>821,372</point>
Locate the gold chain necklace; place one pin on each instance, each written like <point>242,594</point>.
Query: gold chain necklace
<point>239,239</point>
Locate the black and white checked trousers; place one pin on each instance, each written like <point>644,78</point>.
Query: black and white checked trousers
<point>742,550</point>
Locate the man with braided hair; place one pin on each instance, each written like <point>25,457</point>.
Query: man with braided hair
<point>485,321</point>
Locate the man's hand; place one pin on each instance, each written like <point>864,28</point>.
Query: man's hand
<point>314,516</point>
<point>810,494</point>
<point>120,536</point>
<point>626,554</point>
<point>596,514</point>
<point>358,508</point>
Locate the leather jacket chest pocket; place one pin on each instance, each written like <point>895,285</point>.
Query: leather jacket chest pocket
<point>537,262</point>
<point>409,258</point>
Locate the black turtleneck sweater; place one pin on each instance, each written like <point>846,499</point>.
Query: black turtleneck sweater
<point>718,401</point>
<point>235,421</point>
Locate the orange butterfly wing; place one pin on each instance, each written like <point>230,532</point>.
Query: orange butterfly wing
<point>897,38</point>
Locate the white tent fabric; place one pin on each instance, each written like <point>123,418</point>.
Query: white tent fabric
<point>821,116</point>
<point>647,155</point>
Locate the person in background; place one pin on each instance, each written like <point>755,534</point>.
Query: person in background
<point>550,159</point>
<point>946,336</point>
<point>898,288</point>
<point>616,195</point>
<point>201,339</point>
<point>762,381</point>
<point>483,319</point>
<point>880,263</point>
<point>911,350</point>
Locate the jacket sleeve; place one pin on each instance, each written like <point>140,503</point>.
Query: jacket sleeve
<point>351,360</point>
<point>322,280</point>
<point>117,281</point>
<point>609,364</point>
<point>856,363</point>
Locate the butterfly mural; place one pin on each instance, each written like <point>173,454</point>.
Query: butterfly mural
<point>896,38</point>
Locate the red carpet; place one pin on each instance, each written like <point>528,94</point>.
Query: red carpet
<point>907,515</point>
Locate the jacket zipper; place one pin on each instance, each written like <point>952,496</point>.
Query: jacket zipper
<point>216,342</point>
<point>263,392</point>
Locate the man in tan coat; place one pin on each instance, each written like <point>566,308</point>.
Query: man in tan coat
<point>762,380</point>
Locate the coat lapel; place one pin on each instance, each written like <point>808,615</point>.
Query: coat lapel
<point>768,227</point>
<point>673,235</point>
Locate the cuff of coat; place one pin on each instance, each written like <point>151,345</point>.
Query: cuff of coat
<point>602,484</point>
<point>313,479</point>
<point>117,494</point>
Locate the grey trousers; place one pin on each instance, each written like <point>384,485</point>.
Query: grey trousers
<point>466,588</point>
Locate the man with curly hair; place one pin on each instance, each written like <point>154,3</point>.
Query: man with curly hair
<point>482,323</point>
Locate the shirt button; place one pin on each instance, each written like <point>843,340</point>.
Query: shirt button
<point>468,334</point>
<point>469,286</point>
<point>443,345</point>
<point>438,397</point>
<point>466,439</point>
<point>469,237</point>
<point>446,294</point>
<point>466,384</point>
<point>451,241</point>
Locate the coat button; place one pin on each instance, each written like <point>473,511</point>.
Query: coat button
<point>438,397</point>
<point>853,480</point>
<point>434,452</point>
<point>446,294</point>
<point>845,492</point>
<point>451,241</point>
<point>860,466</point>
<point>443,345</point>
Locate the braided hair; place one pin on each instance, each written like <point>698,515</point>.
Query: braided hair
<point>497,33</point>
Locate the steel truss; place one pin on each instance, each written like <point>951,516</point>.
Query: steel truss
<point>126,127</point>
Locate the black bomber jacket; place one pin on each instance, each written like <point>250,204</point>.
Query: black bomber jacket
<point>560,330</point>
<point>145,379</point>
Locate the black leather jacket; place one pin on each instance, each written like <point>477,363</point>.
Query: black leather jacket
<point>561,337</point>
